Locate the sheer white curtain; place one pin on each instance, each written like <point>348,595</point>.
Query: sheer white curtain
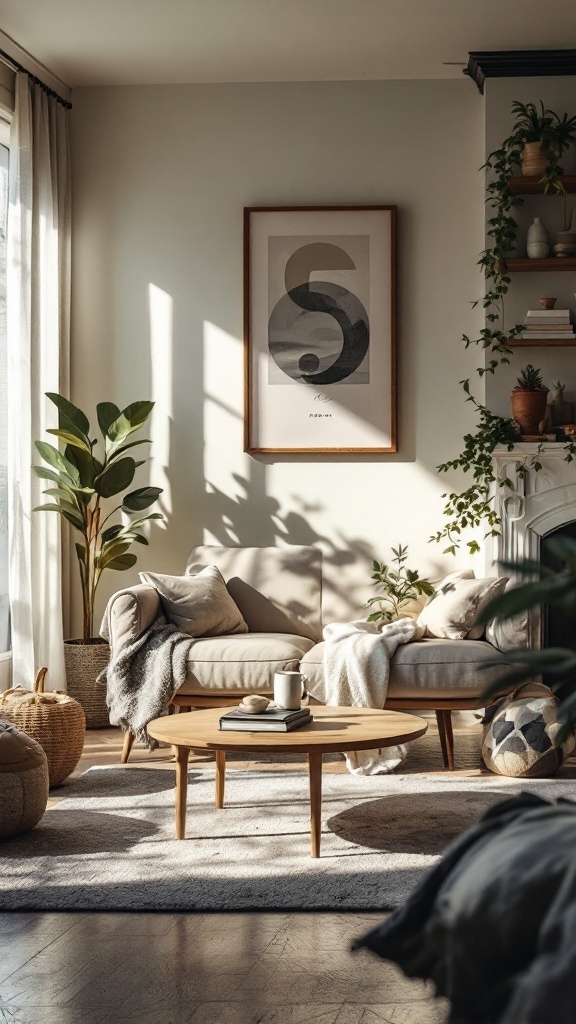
<point>38,293</point>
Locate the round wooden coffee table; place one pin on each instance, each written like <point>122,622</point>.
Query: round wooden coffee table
<point>333,730</point>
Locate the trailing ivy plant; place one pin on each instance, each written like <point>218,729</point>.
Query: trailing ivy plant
<point>475,507</point>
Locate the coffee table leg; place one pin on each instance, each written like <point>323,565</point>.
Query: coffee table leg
<point>220,777</point>
<point>315,773</point>
<point>181,790</point>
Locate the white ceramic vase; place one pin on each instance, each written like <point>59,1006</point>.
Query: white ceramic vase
<point>538,246</point>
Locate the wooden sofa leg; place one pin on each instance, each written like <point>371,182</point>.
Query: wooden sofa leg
<point>444,719</point>
<point>128,744</point>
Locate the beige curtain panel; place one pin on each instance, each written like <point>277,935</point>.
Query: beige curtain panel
<point>38,301</point>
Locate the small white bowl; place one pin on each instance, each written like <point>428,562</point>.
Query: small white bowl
<point>254,705</point>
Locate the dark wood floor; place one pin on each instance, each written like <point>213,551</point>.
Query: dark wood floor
<point>241,968</point>
<point>197,969</point>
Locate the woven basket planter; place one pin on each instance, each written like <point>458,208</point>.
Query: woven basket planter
<point>84,662</point>
<point>54,720</point>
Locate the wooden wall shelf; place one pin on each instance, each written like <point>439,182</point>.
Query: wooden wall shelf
<point>518,264</point>
<point>533,186</point>
<point>542,342</point>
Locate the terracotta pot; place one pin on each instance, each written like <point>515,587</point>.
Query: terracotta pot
<point>534,160</point>
<point>529,409</point>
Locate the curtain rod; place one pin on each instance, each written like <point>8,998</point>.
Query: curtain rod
<point>16,66</point>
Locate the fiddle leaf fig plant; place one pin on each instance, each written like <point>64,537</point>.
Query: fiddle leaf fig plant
<point>84,479</point>
<point>399,587</point>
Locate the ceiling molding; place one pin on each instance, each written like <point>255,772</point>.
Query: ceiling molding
<point>483,64</point>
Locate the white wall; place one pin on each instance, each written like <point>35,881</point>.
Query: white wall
<point>161,176</point>
<point>559,94</point>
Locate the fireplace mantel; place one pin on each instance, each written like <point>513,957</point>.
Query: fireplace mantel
<point>536,502</point>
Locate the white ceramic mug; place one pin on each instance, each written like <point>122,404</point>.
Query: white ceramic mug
<point>288,690</point>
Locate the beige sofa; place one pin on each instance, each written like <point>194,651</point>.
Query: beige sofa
<point>279,592</point>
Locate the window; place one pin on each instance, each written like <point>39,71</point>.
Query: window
<point>4,606</point>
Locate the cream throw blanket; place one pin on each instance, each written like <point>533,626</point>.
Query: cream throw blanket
<point>356,673</point>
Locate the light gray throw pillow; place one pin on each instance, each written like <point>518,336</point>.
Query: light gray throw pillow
<point>199,605</point>
<point>451,612</point>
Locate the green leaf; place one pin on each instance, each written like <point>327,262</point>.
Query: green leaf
<point>122,562</point>
<point>72,412</point>
<point>60,492</point>
<point>106,412</point>
<point>117,452</point>
<point>140,499</point>
<point>52,456</point>
<point>68,438</point>
<point>81,553</point>
<point>49,474</point>
<point>111,532</point>
<point>69,513</point>
<point>84,494</point>
<point>144,519</point>
<point>137,413</point>
<point>113,549</point>
<point>87,465</point>
<point>129,420</point>
<point>115,478</point>
<point>519,599</point>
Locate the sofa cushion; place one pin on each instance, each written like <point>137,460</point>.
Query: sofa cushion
<point>450,613</point>
<point>427,669</point>
<point>278,590</point>
<point>198,604</point>
<point>242,663</point>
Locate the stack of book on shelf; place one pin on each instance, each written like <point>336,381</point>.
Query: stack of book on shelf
<point>548,325</point>
<point>270,720</point>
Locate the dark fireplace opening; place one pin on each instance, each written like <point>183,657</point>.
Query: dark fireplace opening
<point>558,626</point>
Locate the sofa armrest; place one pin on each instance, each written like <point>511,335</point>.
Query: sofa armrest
<point>129,614</point>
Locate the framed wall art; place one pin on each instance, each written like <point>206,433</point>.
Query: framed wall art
<point>320,329</point>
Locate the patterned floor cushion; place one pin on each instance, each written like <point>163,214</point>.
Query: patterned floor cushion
<point>519,740</point>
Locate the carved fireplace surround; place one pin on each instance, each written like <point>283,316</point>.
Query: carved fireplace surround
<point>539,502</point>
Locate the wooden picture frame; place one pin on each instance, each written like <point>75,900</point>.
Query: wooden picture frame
<point>320,329</point>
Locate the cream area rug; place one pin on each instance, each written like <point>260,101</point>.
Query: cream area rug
<point>109,844</point>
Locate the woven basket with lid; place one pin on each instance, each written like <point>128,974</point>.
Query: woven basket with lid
<point>55,720</point>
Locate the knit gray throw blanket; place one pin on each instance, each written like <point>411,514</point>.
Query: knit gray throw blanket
<point>142,678</point>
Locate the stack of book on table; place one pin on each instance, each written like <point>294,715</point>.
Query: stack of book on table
<point>270,720</point>
<point>548,325</point>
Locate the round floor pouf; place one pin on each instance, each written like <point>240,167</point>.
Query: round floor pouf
<point>23,781</point>
<point>519,741</point>
<point>55,720</point>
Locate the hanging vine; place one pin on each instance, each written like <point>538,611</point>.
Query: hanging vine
<point>475,506</point>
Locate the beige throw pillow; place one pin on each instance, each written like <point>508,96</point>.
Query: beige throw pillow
<point>451,612</point>
<point>199,605</point>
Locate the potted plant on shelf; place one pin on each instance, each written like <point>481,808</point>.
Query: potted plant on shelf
<point>542,137</point>
<point>82,483</point>
<point>528,400</point>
